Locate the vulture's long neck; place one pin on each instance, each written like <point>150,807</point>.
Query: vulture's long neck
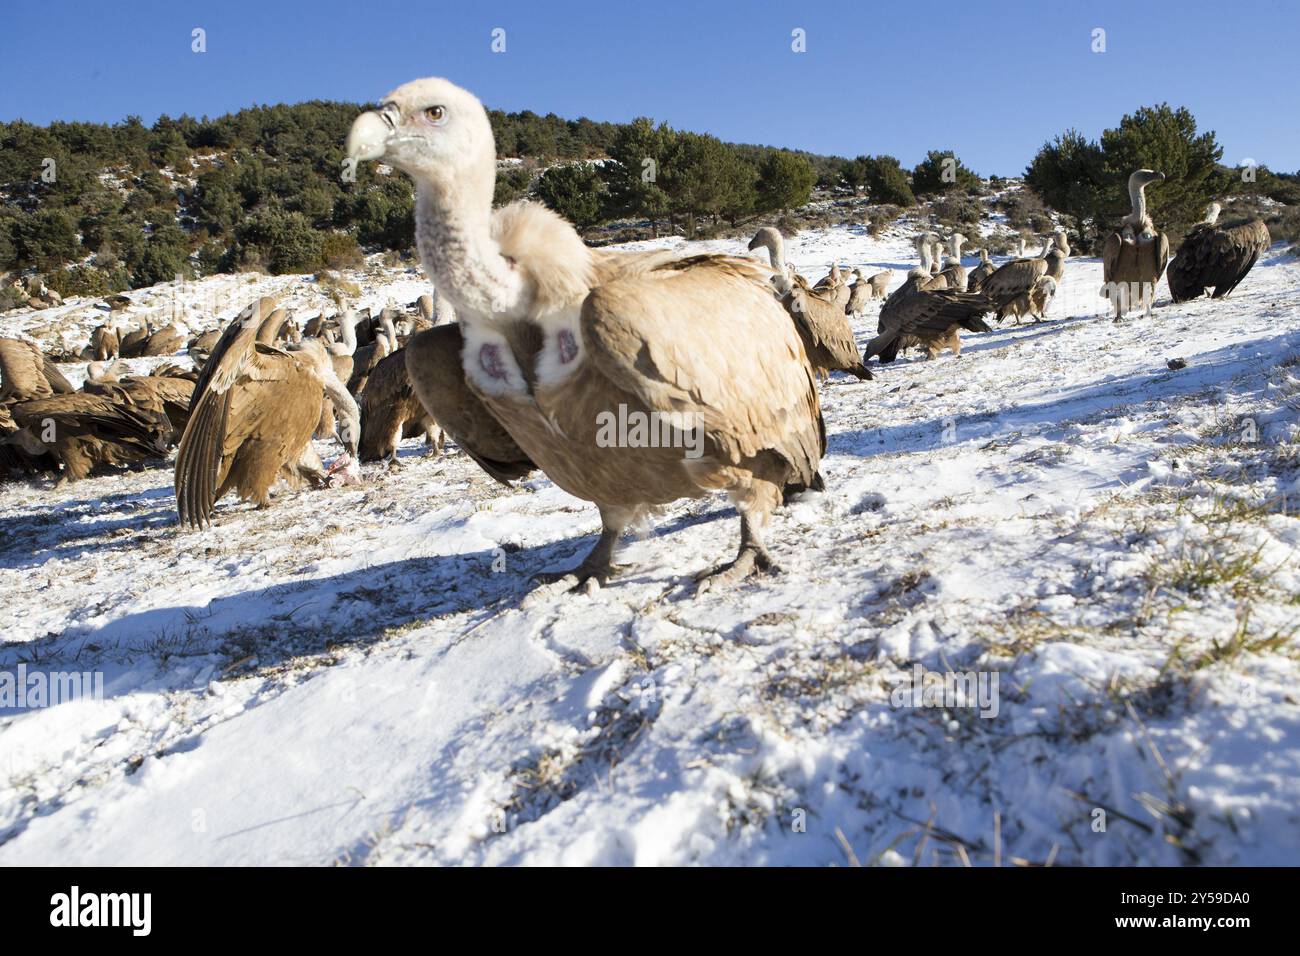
<point>349,329</point>
<point>1137,194</point>
<point>459,253</point>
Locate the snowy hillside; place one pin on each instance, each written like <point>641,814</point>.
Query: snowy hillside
<point>361,675</point>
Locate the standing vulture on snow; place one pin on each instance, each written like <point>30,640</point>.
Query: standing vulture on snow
<point>26,372</point>
<point>953,269</point>
<point>390,411</point>
<point>923,312</point>
<point>1217,257</point>
<point>981,272</point>
<point>821,321</point>
<point>104,342</point>
<point>254,410</point>
<point>560,340</point>
<point>1014,286</point>
<point>861,293</point>
<point>1135,255</point>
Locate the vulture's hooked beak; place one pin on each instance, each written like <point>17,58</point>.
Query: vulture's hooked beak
<point>368,138</point>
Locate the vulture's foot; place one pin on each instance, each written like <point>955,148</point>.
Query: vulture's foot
<point>595,570</point>
<point>751,560</point>
<point>585,576</point>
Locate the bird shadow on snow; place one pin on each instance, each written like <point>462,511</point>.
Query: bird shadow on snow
<point>59,542</point>
<point>305,617</point>
<point>1207,370</point>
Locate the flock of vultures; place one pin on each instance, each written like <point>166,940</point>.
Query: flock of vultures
<point>541,336</point>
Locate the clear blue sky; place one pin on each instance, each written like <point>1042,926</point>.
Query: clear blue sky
<point>990,80</point>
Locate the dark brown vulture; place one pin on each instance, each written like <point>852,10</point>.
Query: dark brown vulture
<point>1216,257</point>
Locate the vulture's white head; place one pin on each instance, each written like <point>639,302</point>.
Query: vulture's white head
<point>1144,177</point>
<point>1212,213</point>
<point>435,132</point>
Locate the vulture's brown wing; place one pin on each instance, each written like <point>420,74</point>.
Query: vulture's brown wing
<point>705,338</point>
<point>920,312</point>
<point>1110,254</point>
<point>1217,257</point>
<point>1012,280</point>
<point>58,383</point>
<point>22,370</point>
<point>438,378</point>
<point>133,428</point>
<point>827,326</point>
<point>238,337</point>
<point>198,461</point>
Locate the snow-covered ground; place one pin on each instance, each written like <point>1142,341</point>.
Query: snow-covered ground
<point>357,675</point>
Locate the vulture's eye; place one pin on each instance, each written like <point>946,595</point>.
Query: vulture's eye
<point>435,114</point>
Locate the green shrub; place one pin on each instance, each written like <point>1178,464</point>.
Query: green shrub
<point>340,251</point>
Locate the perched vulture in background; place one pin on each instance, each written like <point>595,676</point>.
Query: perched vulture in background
<point>131,345</point>
<point>1216,257</point>
<point>957,275</point>
<point>166,341</point>
<point>560,340</point>
<point>1135,255</point>
<point>254,410</point>
<point>104,343</point>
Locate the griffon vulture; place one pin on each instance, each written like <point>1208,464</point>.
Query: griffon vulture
<point>390,411</point>
<point>1216,257</point>
<point>953,269</point>
<point>167,340</point>
<point>254,410</point>
<point>26,372</point>
<point>826,333</point>
<point>1014,281</point>
<point>82,431</point>
<point>915,315</point>
<point>105,342</point>
<point>1135,255</point>
<point>859,295</point>
<point>981,272</point>
<point>560,340</point>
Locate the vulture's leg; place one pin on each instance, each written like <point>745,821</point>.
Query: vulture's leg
<point>311,469</point>
<point>755,512</point>
<point>598,564</point>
